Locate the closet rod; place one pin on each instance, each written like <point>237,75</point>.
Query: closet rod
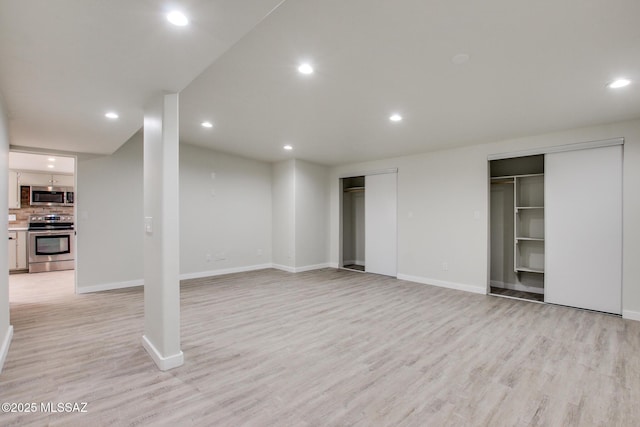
<point>502,182</point>
<point>353,189</point>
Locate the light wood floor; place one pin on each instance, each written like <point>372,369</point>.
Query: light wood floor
<point>329,347</point>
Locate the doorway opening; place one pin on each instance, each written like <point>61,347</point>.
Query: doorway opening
<point>42,240</point>
<point>353,225</point>
<point>368,222</point>
<point>517,228</point>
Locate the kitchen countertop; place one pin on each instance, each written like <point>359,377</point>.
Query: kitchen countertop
<point>18,228</point>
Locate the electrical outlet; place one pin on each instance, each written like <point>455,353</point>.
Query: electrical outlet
<point>208,257</point>
<point>445,266</point>
<point>259,252</point>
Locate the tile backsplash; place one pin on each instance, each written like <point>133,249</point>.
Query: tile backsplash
<point>22,214</point>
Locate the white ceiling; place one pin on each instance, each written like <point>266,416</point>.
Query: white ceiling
<point>65,63</point>
<point>534,67</point>
<point>40,162</point>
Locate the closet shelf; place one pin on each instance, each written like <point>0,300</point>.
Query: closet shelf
<point>534,239</point>
<point>529,270</point>
<point>528,207</point>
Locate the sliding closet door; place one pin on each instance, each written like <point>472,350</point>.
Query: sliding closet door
<point>583,220</point>
<point>380,224</point>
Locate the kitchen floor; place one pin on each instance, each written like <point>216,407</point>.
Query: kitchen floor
<point>37,287</point>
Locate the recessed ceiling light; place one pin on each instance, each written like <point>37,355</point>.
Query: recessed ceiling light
<point>50,166</point>
<point>288,147</point>
<point>111,115</point>
<point>395,117</point>
<point>177,18</point>
<point>460,58</point>
<point>616,84</point>
<point>305,68</point>
<point>206,124</point>
<point>52,159</point>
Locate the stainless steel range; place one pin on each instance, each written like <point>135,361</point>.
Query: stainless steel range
<point>51,243</point>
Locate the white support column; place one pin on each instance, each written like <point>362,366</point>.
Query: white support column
<point>161,336</point>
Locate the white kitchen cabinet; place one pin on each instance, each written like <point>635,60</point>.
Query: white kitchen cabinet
<point>14,190</point>
<point>63,180</point>
<point>33,178</point>
<point>46,179</point>
<point>17,250</point>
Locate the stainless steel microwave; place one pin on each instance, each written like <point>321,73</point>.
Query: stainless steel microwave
<point>51,196</point>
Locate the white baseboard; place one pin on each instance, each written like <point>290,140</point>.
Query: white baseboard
<point>4,348</point>
<point>284,268</point>
<point>163,363</point>
<point>300,269</point>
<point>333,265</point>
<point>517,287</point>
<point>224,271</point>
<point>444,284</point>
<point>201,274</point>
<point>311,267</point>
<point>110,286</point>
<point>631,315</point>
<point>198,275</point>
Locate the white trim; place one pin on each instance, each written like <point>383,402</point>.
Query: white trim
<point>367,173</point>
<point>558,148</point>
<point>311,267</point>
<point>631,315</point>
<point>334,265</point>
<point>198,275</point>
<point>517,287</point>
<point>163,363</point>
<point>300,269</point>
<point>224,271</point>
<point>110,286</point>
<point>444,284</point>
<point>4,349</point>
<point>283,268</point>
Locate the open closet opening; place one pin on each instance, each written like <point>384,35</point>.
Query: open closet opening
<point>517,227</point>
<point>353,224</point>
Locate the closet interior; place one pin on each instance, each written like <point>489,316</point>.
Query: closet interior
<point>353,223</point>
<point>517,229</point>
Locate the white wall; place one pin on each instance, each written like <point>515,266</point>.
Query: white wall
<point>110,218</point>
<point>300,223</point>
<point>225,216</point>
<point>6,330</point>
<point>234,224</point>
<point>283,224</point>
<point>311,221</point>
<point>443,209</point>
